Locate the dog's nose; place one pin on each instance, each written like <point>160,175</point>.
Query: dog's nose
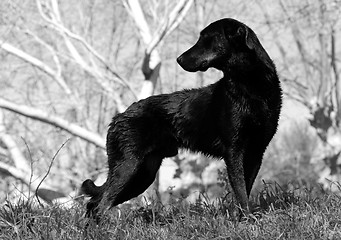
<point>179,59</point>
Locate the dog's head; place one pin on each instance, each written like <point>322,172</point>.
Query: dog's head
<point>223,42</point>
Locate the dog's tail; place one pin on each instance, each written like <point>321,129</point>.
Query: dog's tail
<point>95,192</point>
<point>89,188</point>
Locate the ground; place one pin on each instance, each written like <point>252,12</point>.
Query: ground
<point>279,214</point>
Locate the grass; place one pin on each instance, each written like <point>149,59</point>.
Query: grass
<point>280,214</point>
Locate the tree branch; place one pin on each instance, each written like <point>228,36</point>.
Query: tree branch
<point>170,23</point>
<point>152,61</point>
<point>56,121</point>
<point>17,156</point>
<point>101,80</point>
<point>52,16</point>
<point>36,63</point>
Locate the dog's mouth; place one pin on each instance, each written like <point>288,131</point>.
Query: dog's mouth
<point>193,65</point>
<point>204,66</point>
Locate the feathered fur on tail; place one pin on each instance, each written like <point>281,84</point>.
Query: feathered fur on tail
<point>89,188</point>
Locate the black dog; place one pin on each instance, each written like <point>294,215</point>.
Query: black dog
<point>233,119</point>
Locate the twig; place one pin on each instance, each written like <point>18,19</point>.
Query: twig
<point>31,166</point>
<point>48,170</point>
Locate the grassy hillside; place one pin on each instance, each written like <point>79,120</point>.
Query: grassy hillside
<point>280,214</point>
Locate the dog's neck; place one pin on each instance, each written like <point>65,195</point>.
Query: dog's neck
<point>251,81</point>
<point>247,65</point>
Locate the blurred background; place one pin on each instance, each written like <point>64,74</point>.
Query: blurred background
<point>67,67</point>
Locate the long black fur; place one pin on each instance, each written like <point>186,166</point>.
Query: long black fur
<point>233,119</point>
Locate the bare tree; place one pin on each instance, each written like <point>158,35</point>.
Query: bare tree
<point>306,35</point>
<point>165,23</point>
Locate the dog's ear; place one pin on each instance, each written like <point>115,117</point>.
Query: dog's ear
<point>250,37</point>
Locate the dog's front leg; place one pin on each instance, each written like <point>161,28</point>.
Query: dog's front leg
<point>235,170</point>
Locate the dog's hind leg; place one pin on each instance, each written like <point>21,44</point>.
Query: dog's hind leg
<point>130,178</point>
